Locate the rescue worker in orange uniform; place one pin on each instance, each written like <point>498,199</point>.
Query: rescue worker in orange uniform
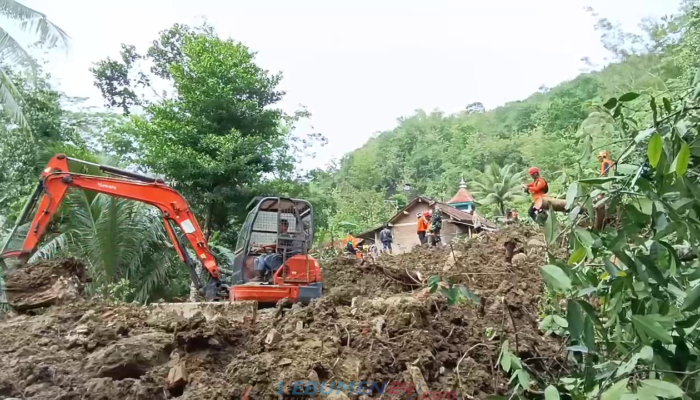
<point>606,163</point>
<point>428,222</point>
<point>538,188</point>
<point>422,227</point>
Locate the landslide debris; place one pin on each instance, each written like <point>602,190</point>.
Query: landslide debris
<point>375,323</point>
<point>45,283</point>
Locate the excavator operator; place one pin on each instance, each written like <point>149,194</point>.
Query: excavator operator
<point>273,260</point>
<point>538,188</point>
<point>605,162</point>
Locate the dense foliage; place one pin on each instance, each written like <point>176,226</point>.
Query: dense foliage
<point>627,299</point>
<point>28,20</point>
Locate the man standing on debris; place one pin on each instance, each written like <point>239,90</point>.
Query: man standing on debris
<point>435,226</point>
<point>422,226</point>
<point>386,238</point>
<point>538,188</point>
<point>350,243</point>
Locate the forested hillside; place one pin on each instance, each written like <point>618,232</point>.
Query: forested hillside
<point>552,129</point>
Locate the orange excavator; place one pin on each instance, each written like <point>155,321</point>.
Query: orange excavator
<point>56,179</point>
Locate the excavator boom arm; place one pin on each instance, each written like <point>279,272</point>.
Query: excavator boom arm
<point>56,180</point>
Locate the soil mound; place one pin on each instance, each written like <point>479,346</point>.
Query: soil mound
<point>375,323</point>
<point>99,351</point>
<point>45,283</point>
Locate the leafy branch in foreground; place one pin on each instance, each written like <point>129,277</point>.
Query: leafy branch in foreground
<point>455,293</point>
<point>632,289</point>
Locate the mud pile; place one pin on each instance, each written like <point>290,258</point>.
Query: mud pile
<point>98,351</point>
<point>375,323</point>
<point>45,283</point>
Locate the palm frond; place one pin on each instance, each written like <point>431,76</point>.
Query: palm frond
<point>33,21</point>
<point>156,274</point>
<point>11,52</point>
<point>10,99</point>
<point>52,248</point>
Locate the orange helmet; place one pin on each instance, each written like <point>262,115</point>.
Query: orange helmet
<point>426,214</point>
<point>533,171</point>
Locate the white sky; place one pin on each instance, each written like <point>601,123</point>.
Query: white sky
<point>358,65</point>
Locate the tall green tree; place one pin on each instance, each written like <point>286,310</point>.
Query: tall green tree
<point>13,53</point>
<point>218,132</point>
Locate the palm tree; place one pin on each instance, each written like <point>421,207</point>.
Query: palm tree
<point>498,185</point>
<point>12,53</point>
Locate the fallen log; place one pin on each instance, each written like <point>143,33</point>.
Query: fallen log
<point>45,283</point>
<point>558,205</point>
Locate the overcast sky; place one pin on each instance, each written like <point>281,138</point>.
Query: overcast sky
<point>359,65</point>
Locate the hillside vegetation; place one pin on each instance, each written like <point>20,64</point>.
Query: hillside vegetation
<point>553,129</point>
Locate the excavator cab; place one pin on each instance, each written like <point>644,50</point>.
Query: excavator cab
<point>275,240</point>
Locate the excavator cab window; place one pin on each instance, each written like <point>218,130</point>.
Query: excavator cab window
<point>274,225</point>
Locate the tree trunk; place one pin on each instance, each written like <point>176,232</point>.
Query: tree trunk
<point>208,222</point>
<point>193,288</point>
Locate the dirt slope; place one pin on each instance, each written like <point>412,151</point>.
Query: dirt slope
<point>371,323</point>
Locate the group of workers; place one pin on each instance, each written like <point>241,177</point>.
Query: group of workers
<point>352,244</point>
<point>429,227</point>
<point>539,187</point>
<point>430,222</point>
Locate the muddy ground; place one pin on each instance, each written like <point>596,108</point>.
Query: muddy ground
<point>374,322</point>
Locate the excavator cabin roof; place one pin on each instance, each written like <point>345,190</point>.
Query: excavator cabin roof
<point>279,203</point>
